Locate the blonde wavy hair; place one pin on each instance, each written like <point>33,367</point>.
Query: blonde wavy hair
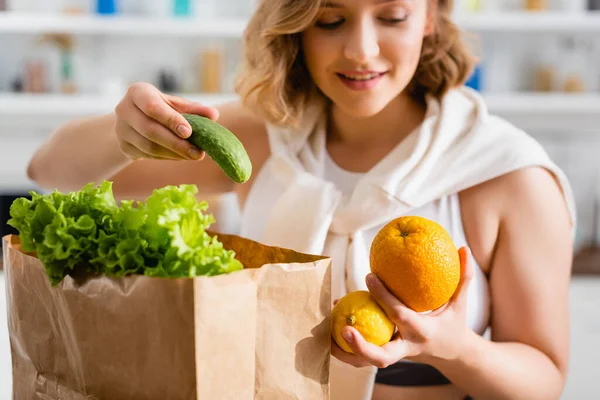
<point>274,82</point>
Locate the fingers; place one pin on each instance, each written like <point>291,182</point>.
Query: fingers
<point>189,107</point>
<point>130,136</point>
<point>395,310</point>
<point>380,293</point>
<point>466,275</point>
<point>439,310</point>
<point>169,145</point>
<point>151,123</point>
<point>136,154</point>
<point>151,102</point>
<point>379,356</point>
<point>346,357</point>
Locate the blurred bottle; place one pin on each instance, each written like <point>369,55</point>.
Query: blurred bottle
<point>35,80</point>
<point>536,5</point>
<point>573,68</point>
<point>16,85</point>
<point>63,79</point>
<point>75,6</point>
<point>67,80</point>
<point>106,7</point>
<point>167,82</point>
<point>182,8</point>
<point>544,74</point>
<point>66,73</point>
<point>211,69</point>
<point>2,5</point>
<point>594,5</point>
<point>478,6</point>
<point>543,78</point>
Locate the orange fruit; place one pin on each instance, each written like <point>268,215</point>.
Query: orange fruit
<point>418,262</point>
<point>359,310</point>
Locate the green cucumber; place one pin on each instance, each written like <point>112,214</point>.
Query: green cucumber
<point>221,145</point>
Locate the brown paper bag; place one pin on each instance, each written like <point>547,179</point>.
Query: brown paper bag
<point>260,333</point>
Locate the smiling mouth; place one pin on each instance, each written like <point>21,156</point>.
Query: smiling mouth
<point>361,77</point>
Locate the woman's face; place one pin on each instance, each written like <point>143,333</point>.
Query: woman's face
<point>364,53</point>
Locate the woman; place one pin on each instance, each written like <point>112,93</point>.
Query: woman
<point>353,113</point>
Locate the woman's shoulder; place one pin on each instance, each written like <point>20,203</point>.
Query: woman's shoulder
<point>522,198</point>
<point>527,191</point>
<point>523,187</point>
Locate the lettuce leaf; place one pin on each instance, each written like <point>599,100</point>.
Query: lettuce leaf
<point>165,236</point>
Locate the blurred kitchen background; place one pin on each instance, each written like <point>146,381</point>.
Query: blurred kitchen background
<point>540,69</point>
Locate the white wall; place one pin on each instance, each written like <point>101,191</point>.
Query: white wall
<point>508,58</point>
<point>102,61</point>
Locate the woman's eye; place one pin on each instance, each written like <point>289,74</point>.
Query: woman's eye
<point>393,20</point>
<point>329,25</point>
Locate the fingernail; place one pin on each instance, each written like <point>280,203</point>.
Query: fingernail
<point>371,281</point>
<point>194,153</point>
<point>184,130</point>
<point>348,336</point>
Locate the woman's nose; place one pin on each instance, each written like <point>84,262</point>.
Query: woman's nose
<point>362,43</point>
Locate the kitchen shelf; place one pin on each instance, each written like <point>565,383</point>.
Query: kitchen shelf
<point>25,104</point>
<point>547,21</point>
<point>544,103</point>
<point>548,114</point>
<point>78,104</point>
<point>40,23</point>
<point>545,111</point>
<point>31,23</point>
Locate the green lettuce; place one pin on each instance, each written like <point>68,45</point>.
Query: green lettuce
<point>165,236</point>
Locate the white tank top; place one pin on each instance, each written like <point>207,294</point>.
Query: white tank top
<point>446,211</point>
<point>300,198</point>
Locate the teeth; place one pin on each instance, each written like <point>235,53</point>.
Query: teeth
<point>361,77</point>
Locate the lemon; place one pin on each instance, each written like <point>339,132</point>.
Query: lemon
<point>359,310</point>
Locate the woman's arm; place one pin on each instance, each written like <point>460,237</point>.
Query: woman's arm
<point>140,147</point>
<point>528,355</point>
<point>78,152</point>
<point>146,124</point>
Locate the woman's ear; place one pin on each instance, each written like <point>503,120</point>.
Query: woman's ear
<point>431,17</point>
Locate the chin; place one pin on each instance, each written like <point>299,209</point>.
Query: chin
<point>362,106</point>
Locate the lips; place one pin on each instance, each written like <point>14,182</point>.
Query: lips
<point>365,80</point>
<point>360,76</point>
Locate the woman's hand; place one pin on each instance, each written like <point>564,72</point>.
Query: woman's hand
<point>150,125</point>
<point>424,338</point>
